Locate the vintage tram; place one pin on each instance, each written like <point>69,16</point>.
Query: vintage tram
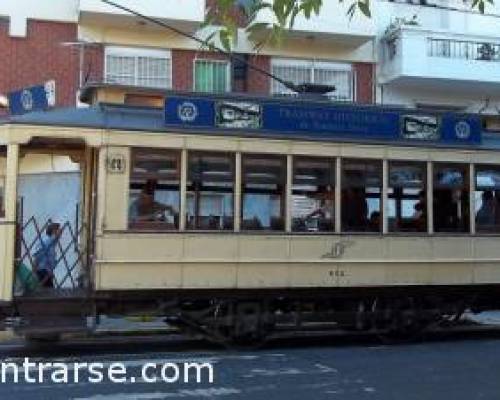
<point>236,216</point>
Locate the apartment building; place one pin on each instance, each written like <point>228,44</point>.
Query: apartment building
<point>440,54</point>
<point>416,53</point>
<point>76,42</point>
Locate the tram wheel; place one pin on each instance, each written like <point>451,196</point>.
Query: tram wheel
<point>398,320</point>
<point>234,325</point>
<point>248,326</point>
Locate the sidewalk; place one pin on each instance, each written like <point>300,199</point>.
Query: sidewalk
<point>485,318</point>
<point>131,325</point>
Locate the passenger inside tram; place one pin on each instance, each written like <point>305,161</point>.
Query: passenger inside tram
<point>146,208</point>
<point>154,189</point>
<point>407,206</point>
<point>451,198</point>
<point>487,199</point>
<point>313,195</point>
<point>361,195</point>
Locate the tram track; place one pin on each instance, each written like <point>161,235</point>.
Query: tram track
<point>296,338</point>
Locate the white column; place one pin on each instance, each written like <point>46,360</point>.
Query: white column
<point>237,193</point>
<point>338,195</point>
<point>8,259</point>
<point>288,199</point>
<point>430,198</point>
<point>183,192</point>
<point>385,198</point>
<point>472,198</point>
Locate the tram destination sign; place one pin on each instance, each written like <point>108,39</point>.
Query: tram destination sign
<point>320,121</point>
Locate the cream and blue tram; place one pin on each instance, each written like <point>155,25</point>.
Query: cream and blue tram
<point>238,216</point>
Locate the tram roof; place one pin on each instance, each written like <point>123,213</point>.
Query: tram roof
<point>149,119</point>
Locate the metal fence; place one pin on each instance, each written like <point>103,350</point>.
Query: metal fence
<point>342,79</point>
<point>466,50</point>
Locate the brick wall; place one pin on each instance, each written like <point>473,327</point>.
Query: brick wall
<point>93,64</point>
<point>258,83</point>
<point>364,82</point>
<point>40,57</point>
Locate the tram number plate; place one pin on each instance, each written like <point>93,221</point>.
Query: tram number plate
<point>339,273</point>
<point>116,164</point>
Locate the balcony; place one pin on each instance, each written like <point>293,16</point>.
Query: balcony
<point>333,24</point>
<point>187,16</point>
<point>414,55</point>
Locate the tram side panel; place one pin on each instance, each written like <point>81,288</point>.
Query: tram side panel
<point>164,261</point>
<point>141,260</point>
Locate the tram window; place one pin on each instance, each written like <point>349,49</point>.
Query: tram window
<point>210,191</point>
<point>407,194</point>
<point>263,192</point>
<point>361,195</point>
<point>313,194</point>
<point>154,189</point>
<point>487,198</point>
<point>451,197</point>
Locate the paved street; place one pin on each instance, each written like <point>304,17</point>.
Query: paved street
<point>458,368</point>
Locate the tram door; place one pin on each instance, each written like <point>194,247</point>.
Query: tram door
<point>52,215</point>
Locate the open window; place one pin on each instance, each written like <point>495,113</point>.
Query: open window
<point>154,189</point>
<point>487,198</point>
<point>407,194</point>
<point>451,197</point>
<point>361,195</point>
<point>313,194</point>
<point>263,192</point>
<point>210,191</point>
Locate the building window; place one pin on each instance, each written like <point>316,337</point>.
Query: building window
<point>407,194</point>
<point>263,192</point>
<point>361,195</point>
<point>211,76</point>
<point>487,198</point>
<point>154,189</point>
<point>138,67</point>
<point>313,194</point>
<point>451,197</point>
<point>320,72</point>
<point>210,191</point>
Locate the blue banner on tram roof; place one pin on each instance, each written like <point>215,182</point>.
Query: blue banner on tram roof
<point>321,121</point>
<point>27,100</point>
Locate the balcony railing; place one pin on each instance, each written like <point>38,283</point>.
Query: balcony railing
<point>466,50</point>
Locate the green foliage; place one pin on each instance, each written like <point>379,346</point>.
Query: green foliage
<point>284,12</point>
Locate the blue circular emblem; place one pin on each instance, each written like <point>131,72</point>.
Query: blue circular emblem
<point>462,130</point>
<point>187,111</point>
<point>27,100</point>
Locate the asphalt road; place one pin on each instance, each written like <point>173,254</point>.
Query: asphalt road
<point>445,368</point>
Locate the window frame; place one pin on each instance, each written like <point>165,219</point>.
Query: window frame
<point>213,61</point>
<point>149,226</point>
<point>332,164</point>
<point>136,53</point>
<point>478,188</point>
<point>232,157</point>
<point>337,163</point>
<point>425,167</point>
<point>381,197</point>
<point>466,185</point>
<point>284,201</point>
<point>312,66</point>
